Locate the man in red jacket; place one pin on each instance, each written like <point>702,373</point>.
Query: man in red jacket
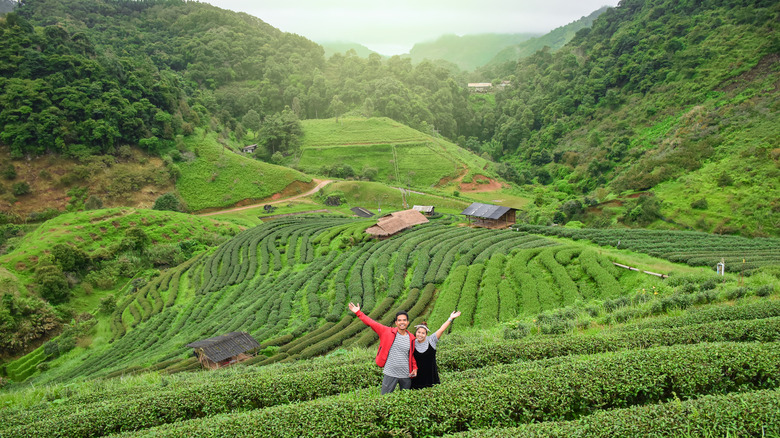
<point>396,350</point>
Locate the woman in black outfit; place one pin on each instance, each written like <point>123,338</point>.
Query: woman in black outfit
<point>425,353</point>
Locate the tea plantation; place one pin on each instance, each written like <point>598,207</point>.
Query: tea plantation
<point>554,340</point>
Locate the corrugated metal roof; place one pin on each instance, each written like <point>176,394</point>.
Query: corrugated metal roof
<point>485,211</point>
<point>362,212</point>
<point>423,208</point>
<point>222,347</point>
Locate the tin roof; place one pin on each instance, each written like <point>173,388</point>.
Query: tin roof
<point>485,211</point>
<point>222,347</point>
<point>362,212</point>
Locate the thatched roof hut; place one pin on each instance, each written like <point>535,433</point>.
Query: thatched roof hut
<point>392,223</point>
<point>224,350</point>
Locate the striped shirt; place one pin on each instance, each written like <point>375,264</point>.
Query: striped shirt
<point>397,364</point>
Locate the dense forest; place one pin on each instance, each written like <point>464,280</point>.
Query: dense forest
<point>651,92</point>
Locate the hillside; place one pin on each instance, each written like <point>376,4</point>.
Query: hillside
<point>333,47</point>
<point>679,110</point>
<point>554,40</point>
<point>288,281</point>
<point>468,51</point>
<point>379,149</point>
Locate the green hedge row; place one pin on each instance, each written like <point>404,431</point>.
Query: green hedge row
<point>193,401</point>
<point>511,397</point>
<point>461,357</point>
<point>755,413</point>
<point>763,308</point>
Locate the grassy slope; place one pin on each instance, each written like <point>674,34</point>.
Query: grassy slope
<point>97,229</point>
<point>221,177</point>
<point>401,155</point>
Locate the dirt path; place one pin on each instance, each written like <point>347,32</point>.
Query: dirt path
<point>320,185</point>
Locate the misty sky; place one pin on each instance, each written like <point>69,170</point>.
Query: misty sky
<point>393,27</point>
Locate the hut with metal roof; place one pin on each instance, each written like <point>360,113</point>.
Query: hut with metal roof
<point>490,216</point>
<point>361,212</point>
<point>224,350</point>
<point>396,222</point>
<point>427,210</point>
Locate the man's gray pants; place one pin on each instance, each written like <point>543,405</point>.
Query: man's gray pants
<point>389,383</point>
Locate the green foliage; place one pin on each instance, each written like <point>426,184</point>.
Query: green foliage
<point>23,320</point>
<point>53,286</point>
<point>20,188</point>
<point>168,202</point>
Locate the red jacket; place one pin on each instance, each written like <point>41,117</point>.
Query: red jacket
<point>386,338</point>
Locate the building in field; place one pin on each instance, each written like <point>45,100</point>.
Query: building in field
<point>361,212</point>
<point>480,87</point>
<point>225,350</point>
<point>393,223</point>
<point>427,210</point>
<point>249,149</point>
<point>490,216</point>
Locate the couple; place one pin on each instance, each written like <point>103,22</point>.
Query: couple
<point>400,353</point>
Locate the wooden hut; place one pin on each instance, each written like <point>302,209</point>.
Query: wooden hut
<point>490,216</point>
<point>224,350</point>
<point>393,223</point>
<point>361,212</point>
<point>427,210</point>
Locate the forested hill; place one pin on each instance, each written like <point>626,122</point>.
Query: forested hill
<point>468,51</point>
<point>86,76</point>
<point>556,39</point>
<point>673,98</point>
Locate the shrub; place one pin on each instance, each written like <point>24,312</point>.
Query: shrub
<point>20,188</point>
<point>699,204</point>
<point>93,203</point>
<point>168,202</point>
<point>8,171</point>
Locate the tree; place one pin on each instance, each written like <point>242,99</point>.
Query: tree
<point>53,286</point>
<point>168,202</point>
<point>336,107</point>
<point>252,121</point>
<point>70,258</point>
<point>93,203</point>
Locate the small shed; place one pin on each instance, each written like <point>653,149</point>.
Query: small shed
<point>393,223</point>
<point>224,350</point>
<point>424,209</point>
<point>479,87</point>
<point>361,212</point>
<point>249,149</point>
<point>490,216</point>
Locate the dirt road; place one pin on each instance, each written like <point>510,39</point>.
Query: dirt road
<point>320,185</point>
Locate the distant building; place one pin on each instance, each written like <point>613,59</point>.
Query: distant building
<point>424,209</point>
<point>361,212</point>
<point>224,350</point>
<point>249,149</point>
<point>480,87</point>
<point>393,223</point>
<point>490,216</point>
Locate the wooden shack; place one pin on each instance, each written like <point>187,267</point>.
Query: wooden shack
<point>393,223</point>
<point>361,212</point>
<point>225,350</point>
<point>490,216</point>
<point>428,210</point>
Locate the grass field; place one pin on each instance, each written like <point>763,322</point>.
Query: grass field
<point>220,177</point>
<point>373,196</point>
<point>401,156</point>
